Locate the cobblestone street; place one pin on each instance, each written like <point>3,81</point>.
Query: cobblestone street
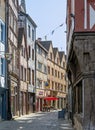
<point>37,121</point>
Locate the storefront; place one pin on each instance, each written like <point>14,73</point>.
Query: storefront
<point>3,104</point>
<point>39,99</point>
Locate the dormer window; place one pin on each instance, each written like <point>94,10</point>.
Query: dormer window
<point>57,60</point>
<point>51,56</point>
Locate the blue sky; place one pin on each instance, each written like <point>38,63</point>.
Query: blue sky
<point>48,15</point>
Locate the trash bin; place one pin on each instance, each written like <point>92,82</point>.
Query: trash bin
<point>61,114</point>
<point>64,110</point>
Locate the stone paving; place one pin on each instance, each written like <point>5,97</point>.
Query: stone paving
<point>37,121</point>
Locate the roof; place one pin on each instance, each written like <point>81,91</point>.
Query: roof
<point>55,50</point>
<point>46,44</point>
<point>41,46</point>
<point>61,53</point>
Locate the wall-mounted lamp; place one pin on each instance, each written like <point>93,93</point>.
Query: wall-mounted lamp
<point>65,31</point>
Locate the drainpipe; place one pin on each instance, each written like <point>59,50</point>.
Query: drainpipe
<point>18,54</point>
<point>35,77</point>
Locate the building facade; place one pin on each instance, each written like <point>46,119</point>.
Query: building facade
<point>56,72</point>
<point>80,62</point>
<point>3,87</point>
<point>11,49</point>
<point>30,28</point>
<point>41,75</point>
<point>23,68</point>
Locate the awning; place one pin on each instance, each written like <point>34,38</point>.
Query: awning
<point>50,98</point>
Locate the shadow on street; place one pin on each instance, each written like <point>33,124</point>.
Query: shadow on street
<point>37,121</point>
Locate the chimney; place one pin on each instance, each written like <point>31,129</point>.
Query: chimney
<point>39,39</point>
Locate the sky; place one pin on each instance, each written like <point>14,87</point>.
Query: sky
<point>49,15</point>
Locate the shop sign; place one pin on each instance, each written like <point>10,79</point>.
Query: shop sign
<point>40,92</point>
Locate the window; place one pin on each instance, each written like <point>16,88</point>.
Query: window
<point>64,64</point>
<point>29,33</point>
<point>48,70</point>
<point>2,32</point>
<point>29,51</point>
<point>29,75</point>
<point>45,55</point>
<point>12,20</point>
<point>52,85</point>
<point>52,71</point>
<point>56,86</point>
<point>61,75</point>
<point>51,56</point>
<point>78,96</point>
<point>45,69</point>
<point>61,87</point>
<point>57,60</point>
<point>32,54</point>
<point>58,74</point>
<point>39,50</point>
<point>24,76</point>
<point>40,66</point>
<point>49,82</point>
<point>21,76</point>
<point>2,66</point>
<point>24,52</point>
<point>64,88</point>
<point>33,77</point>
<point>80,99</point>
<point>33,35</point>
<point>15,26</point>
<point>55,73</point>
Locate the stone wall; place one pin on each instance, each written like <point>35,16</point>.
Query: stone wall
<point>82,67</point>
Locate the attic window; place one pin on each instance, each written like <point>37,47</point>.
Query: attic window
<point>57,60</point>
<point>64,64</point>
<point>51,56</point>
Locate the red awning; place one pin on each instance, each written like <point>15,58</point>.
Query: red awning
<point>50,98</point>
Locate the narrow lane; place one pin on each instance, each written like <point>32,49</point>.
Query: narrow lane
<point>37,121</point>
